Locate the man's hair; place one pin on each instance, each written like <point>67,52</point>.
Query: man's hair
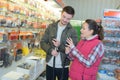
<point>69,10</point>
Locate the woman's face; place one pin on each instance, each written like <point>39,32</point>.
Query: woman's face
<point>85,31</point>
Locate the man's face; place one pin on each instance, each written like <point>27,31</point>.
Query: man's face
<point>65,18</point>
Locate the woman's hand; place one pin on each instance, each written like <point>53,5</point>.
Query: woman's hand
<point>70,43</point>
<point>67,50</point>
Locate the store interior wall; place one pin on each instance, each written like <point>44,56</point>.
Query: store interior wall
<point>91,8</point>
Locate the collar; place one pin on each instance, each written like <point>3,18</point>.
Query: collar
<point>94,36</point>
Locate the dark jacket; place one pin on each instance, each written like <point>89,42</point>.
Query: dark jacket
<point>50,33</point>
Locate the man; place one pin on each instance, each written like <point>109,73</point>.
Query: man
<point>53,43</point>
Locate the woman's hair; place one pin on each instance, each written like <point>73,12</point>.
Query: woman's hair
<point>69,10</point>
<point>97,29</point>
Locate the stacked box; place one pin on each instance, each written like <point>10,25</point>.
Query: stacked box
<point>12,75</point>
<point>38,67</point>
<point>26,68</point>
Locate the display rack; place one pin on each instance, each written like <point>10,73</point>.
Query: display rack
<point>111,60</point>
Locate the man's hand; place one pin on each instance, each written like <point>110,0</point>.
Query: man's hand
<point>54,52</point>
<point>56,43</point>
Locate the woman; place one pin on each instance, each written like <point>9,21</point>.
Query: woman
<point>88,53</point>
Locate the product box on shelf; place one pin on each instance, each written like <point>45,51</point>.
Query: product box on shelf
<point>103,76</point>
<point>39,64</point>
<point>12,75</point>
<point>26,68</point>
<point>35,61</point>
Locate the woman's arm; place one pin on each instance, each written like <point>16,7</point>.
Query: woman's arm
<point>96,53</point>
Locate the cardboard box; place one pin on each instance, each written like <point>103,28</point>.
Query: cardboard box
<point>12,75</point>
<point>29,71</point>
